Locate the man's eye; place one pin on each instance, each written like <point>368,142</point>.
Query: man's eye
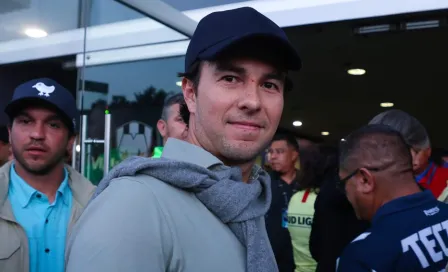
<point>55,125</point>
<point>24,121</point>
<point>270,85</point>
<point>230,79</point>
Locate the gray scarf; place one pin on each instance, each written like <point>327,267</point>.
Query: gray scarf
<point>240,205</point>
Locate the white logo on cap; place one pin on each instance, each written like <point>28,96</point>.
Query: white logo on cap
<point>44,89</point>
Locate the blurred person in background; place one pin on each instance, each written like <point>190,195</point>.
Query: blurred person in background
<point>408,225</point>
<point>284,153</point>
<point>318,165</point>
<point>429,174</point>
<point>171,123</point>
<point>5,148</point>
<point>334,224</point>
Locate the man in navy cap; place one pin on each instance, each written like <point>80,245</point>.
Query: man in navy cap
<point>40,196</point>
<point>408,227</point>
<point>201,206</point>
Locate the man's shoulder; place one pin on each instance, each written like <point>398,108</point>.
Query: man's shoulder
<point>152,185</point>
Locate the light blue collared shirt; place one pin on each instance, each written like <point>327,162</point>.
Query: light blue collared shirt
<point>45,223</point>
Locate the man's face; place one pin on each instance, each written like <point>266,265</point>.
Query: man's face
<point>358,186</point>
<point>282,156</point>
<point>174,126</point>
<point>39,140</point>
<point>420,159</point>
<point>237,108</point>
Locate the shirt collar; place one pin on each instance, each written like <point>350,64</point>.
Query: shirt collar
<point>404,203</point>
<point>25,192</point>
<point>424,173</point>
<point>64,189</point>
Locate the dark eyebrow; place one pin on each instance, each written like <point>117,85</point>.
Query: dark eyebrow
<point>50,118</point>
<point>229,67</point>
<point>280,76</point>
<point>22,115</point>
<point>54,118</point>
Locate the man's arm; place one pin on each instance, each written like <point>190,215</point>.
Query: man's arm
<point>123,229</point>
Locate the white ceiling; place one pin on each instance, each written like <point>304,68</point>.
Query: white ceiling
<point>51,15</point>
<point>58,15</point>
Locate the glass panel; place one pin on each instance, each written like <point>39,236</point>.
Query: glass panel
<point>197,4</point>
<point>133,93</point>
<point>21,19</point>
<point>107,11</point>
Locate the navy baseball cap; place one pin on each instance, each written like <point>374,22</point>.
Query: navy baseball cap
<point>48,93</point>
<point>220,30</point>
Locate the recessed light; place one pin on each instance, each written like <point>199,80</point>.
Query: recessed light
<point>387,104</point>
<point>342,140</point>
<point>356,72</point>
<point>35,33</point>
<point>297,123</point>
<point>325,133</point>
<point>179,83</point>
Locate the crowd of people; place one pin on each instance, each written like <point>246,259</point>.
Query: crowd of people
<point>201,203</point>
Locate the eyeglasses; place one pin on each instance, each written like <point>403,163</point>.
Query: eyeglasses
<point>341,183</point>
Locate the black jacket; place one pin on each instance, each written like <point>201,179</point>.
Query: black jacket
<point>279,235</point>
<point>334,226</point>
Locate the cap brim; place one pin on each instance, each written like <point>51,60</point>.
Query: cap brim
<point>292,58</point>
<point>15,107</point>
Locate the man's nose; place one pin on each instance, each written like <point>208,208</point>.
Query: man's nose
<point>37,132</point>
<point>250,100</point>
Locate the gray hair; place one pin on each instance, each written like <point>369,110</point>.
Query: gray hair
<point>413,132</point>
<point>169,101</point>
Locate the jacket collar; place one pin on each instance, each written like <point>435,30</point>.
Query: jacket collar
<point>81,188</point>
<point>404,203</point>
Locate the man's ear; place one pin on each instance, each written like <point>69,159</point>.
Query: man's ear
<point>161,126</point>
<point>9,133</point>
<point>295,156</point>
<point>366,182</point>
<point>189,92</point>
<point>70,144</point>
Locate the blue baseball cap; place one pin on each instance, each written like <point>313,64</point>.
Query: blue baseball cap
<point>48,93</point>
<point>220,30</point>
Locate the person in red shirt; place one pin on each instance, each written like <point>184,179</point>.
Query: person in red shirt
<point>428,174</point>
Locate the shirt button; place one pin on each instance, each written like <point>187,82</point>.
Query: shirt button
<point>47,250</point>
<point>38,195</point>
<point>46,221</point>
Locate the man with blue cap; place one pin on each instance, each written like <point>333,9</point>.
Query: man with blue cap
<point>40,196</point>
<point>201,206</point>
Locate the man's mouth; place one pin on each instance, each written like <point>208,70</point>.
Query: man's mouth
<point>246,125</point>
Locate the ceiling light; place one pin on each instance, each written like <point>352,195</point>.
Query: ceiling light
<point>342,140</point>
<point>356,72</point>
<point>35,33</point>
<point>179,83</point>
<point>325,133</point>
<point>297,123</point>
<point>387,104</point>
<point>78,148</point>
